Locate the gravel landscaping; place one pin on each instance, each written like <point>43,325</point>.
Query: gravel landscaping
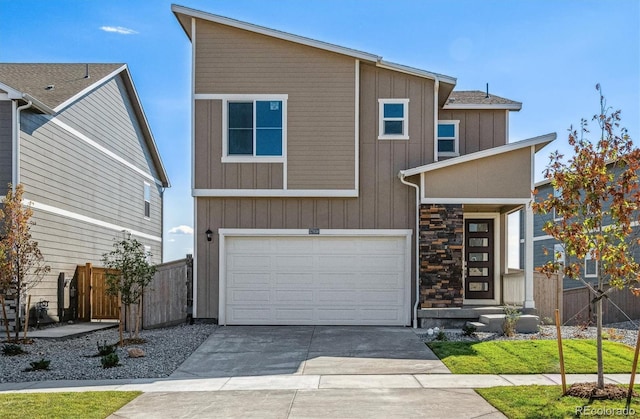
<point>626,332</point>
<point>76,358</point>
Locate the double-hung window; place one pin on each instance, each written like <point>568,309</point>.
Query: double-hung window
<point>590,266</point>
<point>448,138</point>
<point>254,129</point>
<point>147,200</point>
<point>393,119</point>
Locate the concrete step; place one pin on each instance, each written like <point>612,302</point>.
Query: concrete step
<point>527,323</point>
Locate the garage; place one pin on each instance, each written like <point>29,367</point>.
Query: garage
<point>315,277</point>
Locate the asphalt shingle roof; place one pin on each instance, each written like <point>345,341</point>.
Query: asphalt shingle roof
<point>67,79</point>
<point>477,97</point>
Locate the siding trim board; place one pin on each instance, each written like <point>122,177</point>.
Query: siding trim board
<point>84,218</point>
<point>102,149</point>
<point>265,193</point>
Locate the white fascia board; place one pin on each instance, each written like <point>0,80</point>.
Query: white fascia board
<point>13,94</point>
<point>225,232</point>
<point>276,193</point>
<point>88,89</point>
<point>542,183</point>
<point>472,201</point>
<point>416,72</point>
<point>507,106</point>
<point>274,33</point>
<point>537,142</point>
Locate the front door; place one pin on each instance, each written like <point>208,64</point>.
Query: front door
<point>479,254</point>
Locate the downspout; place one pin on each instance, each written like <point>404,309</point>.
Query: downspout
<point>401,176</point>
<point>15,152</point>
<point>436,89</point>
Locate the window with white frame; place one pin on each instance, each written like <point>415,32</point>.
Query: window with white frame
<point>147,253</point>
<point>557,193</point>
<point>147,200</point>
<point>393,119</point>
<point>448,138</point>
<point>254,129</point>
<point>558,254</point>
<point>590,266</point>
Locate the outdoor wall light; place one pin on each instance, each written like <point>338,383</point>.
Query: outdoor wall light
<point>209,234</point>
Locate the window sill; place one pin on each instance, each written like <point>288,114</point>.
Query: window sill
<point>448,154</point>
<point>393,137</point>
<point>252,159</point>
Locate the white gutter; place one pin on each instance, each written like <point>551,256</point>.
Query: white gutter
<point>417,252</point>
<point>436,88</point>
<point>15,152</point>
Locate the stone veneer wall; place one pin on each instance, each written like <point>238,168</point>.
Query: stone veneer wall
<point>441,241</point>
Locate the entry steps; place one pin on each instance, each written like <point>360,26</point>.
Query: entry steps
<point>527,323</point>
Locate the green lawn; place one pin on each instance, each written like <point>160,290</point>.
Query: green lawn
<point>87,405</point>
<point>546,402</point>
<point>531,356</point>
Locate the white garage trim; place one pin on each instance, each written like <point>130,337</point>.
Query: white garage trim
<point>227,233</point>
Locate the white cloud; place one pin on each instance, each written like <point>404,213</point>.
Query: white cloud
<point>181,229</point>
<point>118,29</point>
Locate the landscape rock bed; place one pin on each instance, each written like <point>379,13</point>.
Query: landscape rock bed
<point>626,332</point>
<point>76,358</point>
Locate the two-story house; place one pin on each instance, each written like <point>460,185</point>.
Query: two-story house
<point>76,137</point>
<point>333,187</point>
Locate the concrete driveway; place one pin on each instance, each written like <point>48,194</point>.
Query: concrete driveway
<point>234,351</point>
<point>310,372</point>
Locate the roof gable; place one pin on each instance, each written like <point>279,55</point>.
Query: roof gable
<point>476,99</point>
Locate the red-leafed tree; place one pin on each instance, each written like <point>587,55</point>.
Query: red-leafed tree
<point>596,203</point>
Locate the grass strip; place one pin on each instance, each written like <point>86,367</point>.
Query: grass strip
<point>531,356</point>
<point>547,402</point>
<point>85,405</point>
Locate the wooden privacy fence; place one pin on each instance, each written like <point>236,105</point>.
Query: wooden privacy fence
<point>547,294</point>
<point>93,301</point>
<point>578,300</point>
<point>167,300</point>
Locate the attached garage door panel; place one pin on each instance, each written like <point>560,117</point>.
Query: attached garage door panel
<point>317,280</point>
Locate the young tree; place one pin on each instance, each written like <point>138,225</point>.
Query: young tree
<point>130,273</point>
<point>597,199</point>
<point>22,264</point>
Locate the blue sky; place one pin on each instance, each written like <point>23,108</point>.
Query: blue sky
<point>547,54</point>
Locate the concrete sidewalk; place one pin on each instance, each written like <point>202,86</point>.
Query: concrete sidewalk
<point>68,331</point>
<point>306,382</point>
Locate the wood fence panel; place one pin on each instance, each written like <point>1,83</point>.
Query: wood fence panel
<point>84,294</point>
<point>166,298</point>
<point>547,294</point>
<point>103,306</point>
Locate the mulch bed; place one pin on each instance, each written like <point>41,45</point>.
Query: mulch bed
<point>590,391</point>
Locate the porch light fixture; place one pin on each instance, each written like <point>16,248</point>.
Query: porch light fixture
<point>209,234</point>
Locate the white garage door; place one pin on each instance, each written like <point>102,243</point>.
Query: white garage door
<point>317,280</point>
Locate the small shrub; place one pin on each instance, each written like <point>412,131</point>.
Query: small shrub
<point>42,365</point>
<point>104,349</point>
<point>510,320</point>
<point>469,330</point>
<point>110,361</point>
<point>548,321</point>
<point>441,336</point>
<point>11,349</point>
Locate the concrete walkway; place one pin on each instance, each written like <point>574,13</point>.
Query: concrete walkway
<point>69,330</point>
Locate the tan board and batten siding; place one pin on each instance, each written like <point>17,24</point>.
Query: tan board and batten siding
<point>479,129</point>
<point>62,171</point>
<point>383,202</point>
<point>320,119</point>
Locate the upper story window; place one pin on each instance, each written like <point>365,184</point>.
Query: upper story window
<point>147,200</point>
<point>393,119</point>
<point>557,193</point>
<point>448,138</point>
<point>590,266</point>
<point>254,128</point>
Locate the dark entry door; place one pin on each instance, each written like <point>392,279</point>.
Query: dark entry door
<point>479,247</point>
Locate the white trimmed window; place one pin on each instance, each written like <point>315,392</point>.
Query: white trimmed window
<point>556,194</point>
<point>590,266</point>
<point>448,138</point>
<point>558,254</point>
<point>254,128</point>
<point>147,200</point>
<point>393,119</point>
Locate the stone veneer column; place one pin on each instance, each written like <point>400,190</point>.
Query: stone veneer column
<point>441,235</point>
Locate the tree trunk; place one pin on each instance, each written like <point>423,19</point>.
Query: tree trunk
<point>138,317</point>
<point>600,383</point>
<point>17,319</point>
